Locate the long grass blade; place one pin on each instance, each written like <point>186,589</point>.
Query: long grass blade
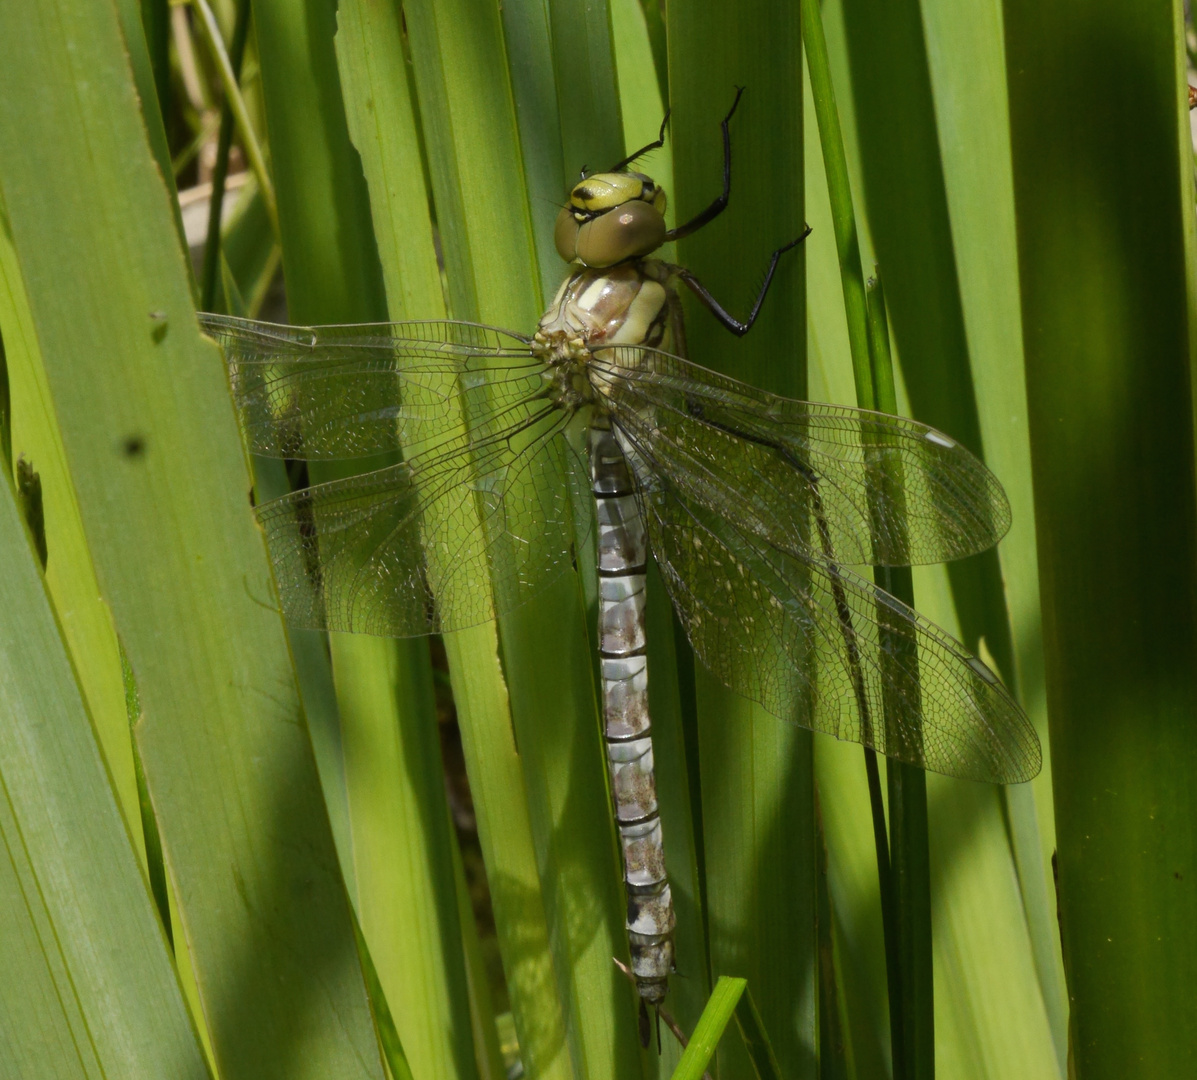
<point>835,1052</point>
<point>402,859</point>
<point>152,445</point>
<point>528,40</point>
<point>89,986</point>
<point>864,343</point>
<point>384,1020</point>
<point>70,575</point>
<point>464,85</point>
<point>1105,222</point>
<point>990,1017</point>
<point>909,838</point>
<point>720,1008</point>
<point>584,62</point>
<point>951,264</point>
<point>384,128</point>
<point>968,76</point>
<point>756,1038</point>
<point>236,105</point>
<point>756,784</point>
<point>143,63</point>
<point>220,171</point>
<point>155,864</point>
<point>909,887</point>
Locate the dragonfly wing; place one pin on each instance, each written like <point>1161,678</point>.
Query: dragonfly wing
<point>352,391</point>
<point>437,543</point>
<point>889,490</point>
<point>820,646</point>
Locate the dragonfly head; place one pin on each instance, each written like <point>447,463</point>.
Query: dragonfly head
<point>610,218</point>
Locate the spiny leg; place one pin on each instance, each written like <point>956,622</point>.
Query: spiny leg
<point>718,310</point>
<point>720,204</point>
<point>619,166</point>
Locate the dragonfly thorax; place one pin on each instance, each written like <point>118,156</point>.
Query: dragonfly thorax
<point>596,309</point>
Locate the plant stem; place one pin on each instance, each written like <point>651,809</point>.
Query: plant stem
<point>220,171</point>
<point>856,311</point>
<point>910,861</point>
<point>904,870</point>
<point>234,101</point>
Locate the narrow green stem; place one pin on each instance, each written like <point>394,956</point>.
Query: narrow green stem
<point>839,188</point>
<point>873,378</point>
<point>384,1022</point>
<point>234,100</point>
<point>220,171</point>
<point>719,1009</point>
<point>881,367</point>
<point>910,860</point>
<point>756,1038</point>
<point>155,863</point>
<point>885,886</point>
<point>833,1049</point>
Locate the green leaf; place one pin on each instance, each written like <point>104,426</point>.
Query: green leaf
<point>400,843</point>
<point>730,997</point>
<point>466,101</point>
<point>151,442</point>
<point>1104,201</point>
<point>720,1008</point>
<point>756,1038</point>
<point>756,782</point>
<point>89,988</point>
<point>70,573</point>
<point>1002,1026</point>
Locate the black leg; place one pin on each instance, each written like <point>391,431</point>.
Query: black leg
<point>720,204</point>
<point>621,165</point>
<point>715,308</point>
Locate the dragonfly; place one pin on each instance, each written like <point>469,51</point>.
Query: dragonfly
<point>753,506</point>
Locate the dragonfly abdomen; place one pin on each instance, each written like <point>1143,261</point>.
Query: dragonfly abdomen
<point>622,562</point>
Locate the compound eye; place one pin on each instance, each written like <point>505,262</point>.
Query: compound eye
<point>624,232</point>
<point>565,235</point>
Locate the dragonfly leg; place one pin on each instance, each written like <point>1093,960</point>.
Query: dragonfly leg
<point>720,204</point>
<point>656,145</point>
<point>719,311</point>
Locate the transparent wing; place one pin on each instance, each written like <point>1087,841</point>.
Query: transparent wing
<point>820,646</point>
<point>891,491</point>
<point>356,390</point>
<point>443,541</point>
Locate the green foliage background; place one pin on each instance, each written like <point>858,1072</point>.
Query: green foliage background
<point>1023,178</point>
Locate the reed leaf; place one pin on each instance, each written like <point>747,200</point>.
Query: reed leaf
<point>399,830</point>
<point>89,984</point>
<point>151,443</point>
<point>968,878</point>
<point>1104,205</point>
<point>756,780</point>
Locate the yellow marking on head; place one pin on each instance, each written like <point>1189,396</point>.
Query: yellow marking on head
<point>603,191</point>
